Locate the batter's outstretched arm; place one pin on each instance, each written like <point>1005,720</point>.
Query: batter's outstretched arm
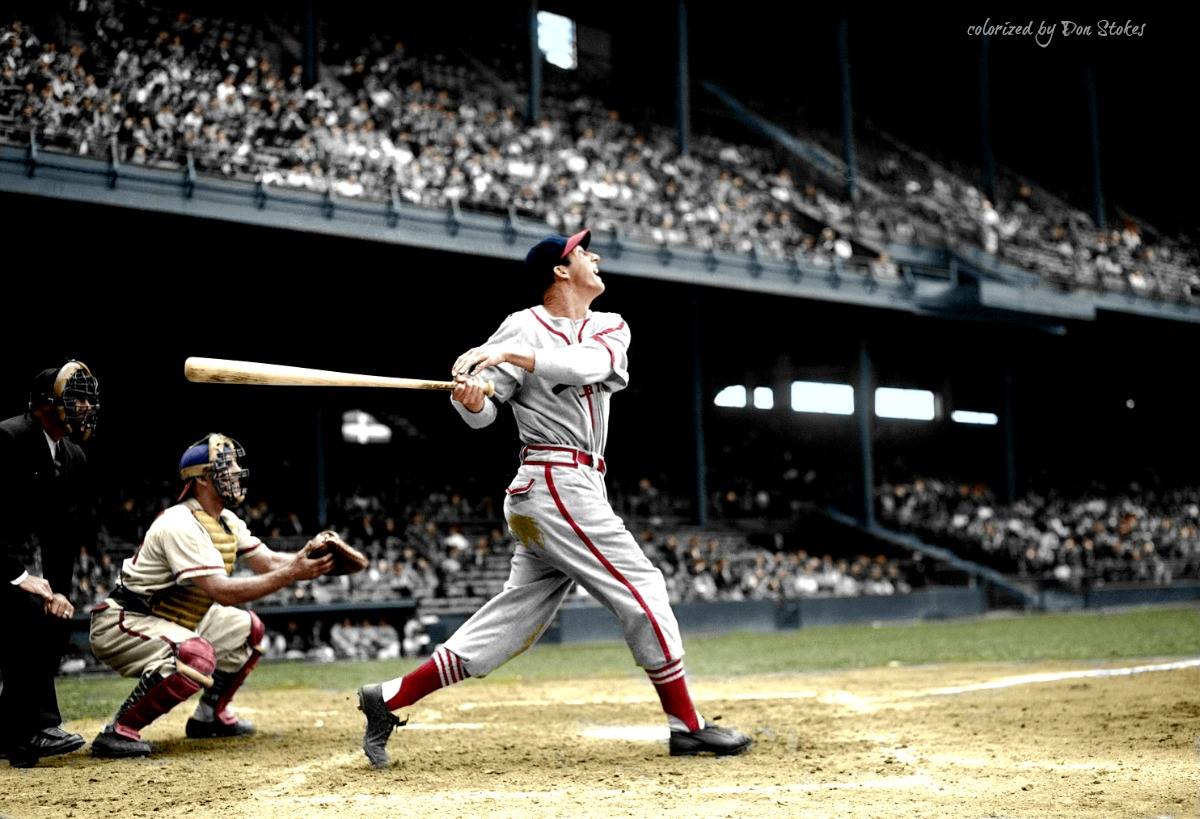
<point>578,365</point>
<point>232,591</point>
<point>587,363</point>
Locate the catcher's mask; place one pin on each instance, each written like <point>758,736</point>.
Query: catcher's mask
<point>216,457</point>
<point>75,395</point>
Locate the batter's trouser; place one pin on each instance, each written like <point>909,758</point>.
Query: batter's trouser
<point>568,532</point>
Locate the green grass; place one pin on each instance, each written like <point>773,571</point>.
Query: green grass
<point>1158,632</point>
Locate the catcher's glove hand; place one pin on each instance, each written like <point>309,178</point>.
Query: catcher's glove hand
<point>346,559</point>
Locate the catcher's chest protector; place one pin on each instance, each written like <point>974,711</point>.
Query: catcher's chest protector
<point>187,605</point>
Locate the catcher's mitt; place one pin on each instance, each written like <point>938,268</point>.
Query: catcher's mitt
<point>346,559</point>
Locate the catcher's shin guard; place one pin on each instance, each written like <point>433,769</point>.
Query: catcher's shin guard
<point>226,683</point>
<point>155,694</point>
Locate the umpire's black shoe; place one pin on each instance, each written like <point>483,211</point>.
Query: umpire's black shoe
<point>380,724</point>
<point>211,729</point>
<point>111,745</point>
<point>46,742</point>
<point>710,739</point>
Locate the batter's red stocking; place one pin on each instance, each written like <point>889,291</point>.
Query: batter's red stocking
<point>442,669</point>
<point>671,684</point>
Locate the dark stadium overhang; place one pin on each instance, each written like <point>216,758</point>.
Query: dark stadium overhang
<point>959,292</point>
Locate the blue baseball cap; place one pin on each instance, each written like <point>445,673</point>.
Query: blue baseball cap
<point>549,253</point>
<point>196,455</point>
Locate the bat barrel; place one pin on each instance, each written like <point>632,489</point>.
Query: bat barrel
<point>227,371</point>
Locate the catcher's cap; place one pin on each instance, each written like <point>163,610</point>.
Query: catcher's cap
<point>216,457</point>
<point>547,254</point>
<point>195,457</point>
<point>207,453</point>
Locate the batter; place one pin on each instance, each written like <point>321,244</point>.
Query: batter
<point>557,365</point>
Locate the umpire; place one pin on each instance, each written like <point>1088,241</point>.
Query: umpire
<point>43,508</point>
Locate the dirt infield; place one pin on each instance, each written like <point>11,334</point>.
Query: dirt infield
<point>870,742</point>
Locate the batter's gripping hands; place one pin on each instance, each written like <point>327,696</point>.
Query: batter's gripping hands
<point>346,559</point>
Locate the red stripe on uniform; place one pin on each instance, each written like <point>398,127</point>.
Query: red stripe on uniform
<point>134,633</point>
<point>664,669</point>
<point>562,510</point>
<point>587,391</point>
<point>581,326</point>
<point>514,490</point>
<point>612,358</point>
<point>548,327</point>
<point>196,569</point>
<point>609,330</point>
<point>441,669</point>
<point>677,675</point>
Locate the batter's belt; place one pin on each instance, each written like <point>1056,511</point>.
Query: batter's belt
<point>550,455</point>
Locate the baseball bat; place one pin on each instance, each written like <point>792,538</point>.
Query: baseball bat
<point>226,371</point>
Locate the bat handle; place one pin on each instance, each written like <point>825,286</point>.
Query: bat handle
<point>489,387</point>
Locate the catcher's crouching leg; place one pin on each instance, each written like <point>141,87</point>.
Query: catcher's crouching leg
<point>154,696</point>
<point>213,717</point>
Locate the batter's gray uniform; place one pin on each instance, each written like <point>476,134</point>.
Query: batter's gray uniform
<point>557,505</point>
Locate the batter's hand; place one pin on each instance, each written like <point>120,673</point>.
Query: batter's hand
<point>480,358</point>
<point>36,585</point>
<point>59,606</point>
<point>468,392</point>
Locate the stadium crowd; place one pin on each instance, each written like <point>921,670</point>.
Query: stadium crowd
<point>1077,542</point>
<point>449,551</point>
<point>439,132</point>
<point>446,553</point>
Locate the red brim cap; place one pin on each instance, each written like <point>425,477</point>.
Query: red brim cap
<point>583,237</point>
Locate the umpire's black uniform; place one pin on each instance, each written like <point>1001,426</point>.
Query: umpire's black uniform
<point>43,506</point>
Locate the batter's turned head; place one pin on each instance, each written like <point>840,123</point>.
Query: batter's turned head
<point>551,252</point>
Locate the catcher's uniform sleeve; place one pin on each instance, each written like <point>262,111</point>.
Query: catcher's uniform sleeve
<point>507,378</point>
<point>189,552</point>
<point>246,542</point>
<point>602,357</point>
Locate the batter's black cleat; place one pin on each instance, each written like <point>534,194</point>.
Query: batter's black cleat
<point>380,724</point>
<point>710,739</point>
<point>110,744</point>
<point>212,729</point>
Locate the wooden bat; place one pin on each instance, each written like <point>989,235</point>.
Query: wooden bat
<point>225,371</point>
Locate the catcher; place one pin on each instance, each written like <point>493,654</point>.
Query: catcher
<point>171,621</point>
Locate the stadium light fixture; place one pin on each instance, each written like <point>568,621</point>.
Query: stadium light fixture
<point>556,39</point>
<point>823,397</point>
<point>360,427</point>
<point>734,396</point>
<point>764,398</point>
<point>908,405</point>
<point>971,417</point>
